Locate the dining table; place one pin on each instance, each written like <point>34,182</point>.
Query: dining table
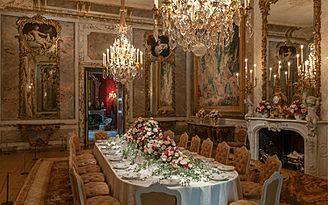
<point>126,172</point>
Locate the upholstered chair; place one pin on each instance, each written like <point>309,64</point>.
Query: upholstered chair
<point>241,160</point>
<point>157,194</point>
<point>222,153</point>
<point>169,133</point>
<point>101,135</point>
<point>252,189</point>
<point>183,141</point>
<point>91,168</point>
<point>78,150</point>
<point>83,159</point>
<point>195,144</point>
<point>270,195</point>
<point>206,148</point>
<point>240,138</point>
<point>87,194</point>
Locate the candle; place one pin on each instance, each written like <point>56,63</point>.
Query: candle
<point>237,77</point>
<point>302,54</point>
<point>138,55</point>
<point>246,73</point>
<point>270,73</point>
<point>107,54</point>
<point>279,62</point>
<point>288,68</point>
<point>306,69</point>
<point>279,69</point>
<point>298,60</point>
<point>141,57</point>
<point>156,3</point>
<point>286,77</point>
<point>104,59</point>
<point>251,74</point>
<point>274,79</point>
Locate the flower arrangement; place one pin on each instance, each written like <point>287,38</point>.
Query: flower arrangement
<point>149,138</point>
<point>214,114</point>
<point>201,113</point>
<point>297,107</point>
<point>263,107</point>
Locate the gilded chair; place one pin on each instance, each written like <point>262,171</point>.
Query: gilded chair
<point>81,193</point>
<point>206,148</point>
<point>195,144</point>
<point>252,189</point>
<point>183,141</point>
<point>83,159</point>
<point>241,160</point>
<point>77,146</point>
<point>222,153</point>
<point>240,138</point>
<point>169,133</point>
<point>157,194</point>
<point>270,192</point>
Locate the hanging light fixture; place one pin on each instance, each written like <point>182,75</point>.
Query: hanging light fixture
<point>198,25</point>
<point>122,61</point>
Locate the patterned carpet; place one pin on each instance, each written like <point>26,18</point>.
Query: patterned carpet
<point>47,184</point>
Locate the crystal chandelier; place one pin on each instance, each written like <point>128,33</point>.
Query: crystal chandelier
<point>122,61</point>
<point>198,25</point>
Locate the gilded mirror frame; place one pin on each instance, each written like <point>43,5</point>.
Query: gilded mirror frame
<point>39,45</point>
<point>264,6</point>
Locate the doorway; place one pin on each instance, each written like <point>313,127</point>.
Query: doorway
<point>103,105</point>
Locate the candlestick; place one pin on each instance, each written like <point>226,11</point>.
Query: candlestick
<point>270,73</point>
<point>274,79</point>
<point>298,60</point>
<point>288,68</point>
<point>302,54</point>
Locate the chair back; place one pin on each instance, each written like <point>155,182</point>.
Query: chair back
<point>183,141</point>
<point>169,133</point>
<point>242,135</point>
<point>157,194</point>
<point>272,164</point>
<point>75,139</point>
<point>206,148</point>
<point>241,160</point>
<point>271,190</point>
<point>195,144</point>
<point>222,152</point>
<point>78,190</point>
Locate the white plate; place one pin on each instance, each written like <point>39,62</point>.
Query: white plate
<point>120,166</point>
<point>114,158</point>
<point>226,168</point>
<point>130,175</point>
<point>218,177</point>
<point>170,182</point>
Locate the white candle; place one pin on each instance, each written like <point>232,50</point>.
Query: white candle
<point>237,77</point>
<point>279,62</point>
<point>156,3</point>
<point>104,59</point>
<point>306,66</point>
<point>246,72</point>
<point>107,54</point>
<point>138,55</point>
<point>251,74</point>
<point>141,57</point>
<point>298,60</point>
<point>274,79</point>
<point>279,69</point>
<point>288,68</point>
<point>286,77</point>
<point>302,54</point>
<point>270,73</point>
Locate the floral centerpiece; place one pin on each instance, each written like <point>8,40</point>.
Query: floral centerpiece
<point>264,108</point>
<point>201,113</point>
<point>214,115</point>
<point>298,109</point>
<point>149,138</point>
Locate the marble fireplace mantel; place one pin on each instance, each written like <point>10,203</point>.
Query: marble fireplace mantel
<point>255,124</point>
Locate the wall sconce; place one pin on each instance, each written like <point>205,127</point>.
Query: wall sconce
<point>112,95</point>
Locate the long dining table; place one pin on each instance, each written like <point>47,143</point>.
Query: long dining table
<point>124,177</point>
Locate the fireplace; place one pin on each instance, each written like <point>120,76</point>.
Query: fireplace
<point>274,132</point>
<point>286,144</point>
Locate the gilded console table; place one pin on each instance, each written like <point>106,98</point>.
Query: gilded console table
<point>217,133</point>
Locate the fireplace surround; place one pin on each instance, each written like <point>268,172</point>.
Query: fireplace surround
<point>255,124</point>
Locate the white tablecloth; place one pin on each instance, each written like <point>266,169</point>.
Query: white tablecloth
<point>198,193</point>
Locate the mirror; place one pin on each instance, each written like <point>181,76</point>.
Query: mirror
<point>39,67</point>
<point>290,48</point>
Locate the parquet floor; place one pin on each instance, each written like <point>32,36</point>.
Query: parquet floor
<point>17,162</point>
